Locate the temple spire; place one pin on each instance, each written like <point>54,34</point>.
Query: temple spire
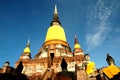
<point>76,43</point>
<point>27,48</point>
<point>55,16</point>
<point>55,33</point>
<point>28,43</point>
<point>76,40</point>
<point>55,11</point>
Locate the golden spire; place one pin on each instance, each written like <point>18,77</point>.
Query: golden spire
<point>55,11</point>
<point>28,43</point>
<point>55,16</point>
<point>55,33</point>
<point>27,48</point>
<point>76,44</point>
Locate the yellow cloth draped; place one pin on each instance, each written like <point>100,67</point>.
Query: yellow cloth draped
<point>27,50</point>
<point>111,70</point>
<point>90,67</point>
<point>55,32</point>
<point>77,46</point>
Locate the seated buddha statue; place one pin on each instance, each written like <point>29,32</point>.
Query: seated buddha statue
<point>111,72</point>
<point>89,66</point>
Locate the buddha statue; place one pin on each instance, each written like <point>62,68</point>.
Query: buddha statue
<point>89,66</point>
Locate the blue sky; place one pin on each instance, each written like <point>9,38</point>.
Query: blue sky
<point>95,22</point>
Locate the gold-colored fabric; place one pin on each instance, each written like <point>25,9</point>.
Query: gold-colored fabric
<point>27,50</point>
<point>111,70</point>
<point>76,46</point>
<point>55,33</point>
<point>90,67</point>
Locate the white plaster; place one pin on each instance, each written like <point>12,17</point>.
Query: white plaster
<point>71,66</point>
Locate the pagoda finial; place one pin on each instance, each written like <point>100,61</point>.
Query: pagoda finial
<point>76,40</point>
<point>28,43</point>
<point>27,48</point>
<point>55,11</point>
<point>55,16</point>
<point>76,43</point>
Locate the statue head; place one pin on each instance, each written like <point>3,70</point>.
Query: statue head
<point>6,63</point>
<point>87,57</point>
<point>110,60</point>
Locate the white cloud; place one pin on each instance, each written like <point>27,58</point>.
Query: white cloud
<point>94,39</point>
<point>104,15</point>
<point>98,24</point>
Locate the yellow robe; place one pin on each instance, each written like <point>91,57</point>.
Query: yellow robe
<point>90,67</point>
<point>110,71</point>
